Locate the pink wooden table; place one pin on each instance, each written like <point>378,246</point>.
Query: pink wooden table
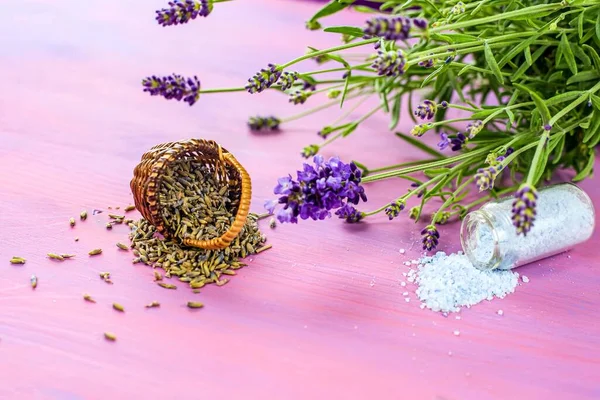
<point>320,316</point>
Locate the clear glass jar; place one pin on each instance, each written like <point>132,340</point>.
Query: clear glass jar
<point>565,217</point>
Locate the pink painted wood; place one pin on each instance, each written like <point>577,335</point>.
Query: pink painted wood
<point>320,316</point>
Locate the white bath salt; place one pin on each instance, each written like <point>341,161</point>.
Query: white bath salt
<point>402,251</point>
<point>403,284</point>
<point>414,262</point>
<point>422,306</point>
<point>405,294</point>
<point>407,299</point>
<point>500,312</point>
<point>458,317</point>
<point>525,279</point>
<point>450,353</point>
<point>456,333</point>
<point>407,263</point>
<point>449,282</point>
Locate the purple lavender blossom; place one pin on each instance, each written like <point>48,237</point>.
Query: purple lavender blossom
<point>181,12</point>
<point>431,237</point>
<point>259,123</point>
<point>173,87</point>
<point>390,63</point>
<point>458,141</point>
<point>445,142</point>
<point>287,79</point>
<point>429,63</point>
<point>319,188</point>
<point>389,28</point>
<point>508,152</point>
<point>394,209</point>
<point>523,208</point>
<point>299,97</point>
<point>426,110</point>
<point>308,86</point>
<point>350,214</point>
<point>420,23</point>
<point>310,150</point>
<point>263,79</point>
<point>484,178</point>
<point>416,185</point>
<point>473,128</point>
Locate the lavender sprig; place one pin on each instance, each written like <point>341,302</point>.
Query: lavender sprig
<point>523,209</point>
<point>173,87</point>
<point>259,123</point>
<point>430,238</point>
<point>394,209</point>
<point>181,12</point>
<point>389,28</point>
<point>389,63</point>
<point>263,79</point>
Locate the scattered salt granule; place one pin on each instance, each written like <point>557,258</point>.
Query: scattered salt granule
<point>448,282</point>
<point>407,263</point>
<point>403,284</point>
<point>407,299</point>
<point>402,251</point>
<point>405,294</point>
<point>500,312</point>
<point>456,333</point>
<point>525,279</point>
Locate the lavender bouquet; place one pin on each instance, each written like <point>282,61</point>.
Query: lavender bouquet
<point>524,76</point>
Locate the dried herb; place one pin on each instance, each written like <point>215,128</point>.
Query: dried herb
<point>95,252</point>
<point>123,246</point>
<point>105,276</point>
<point>194,304</point>
<point>55,256</point>
<point>67,256</point>
<point>110,336</point>
<point>129,208</point>
<point>118,307</point>
<point>109,225</point>
<point>77,239</point>
<point>153,304</point>
<point>167,285</point>
<point>88,298</point>
<point>264,248</point>
<point>34,281</point>
<point>17,260</point>
<point>72,222</point>
<point>157,276</point>
<point>83,215</point>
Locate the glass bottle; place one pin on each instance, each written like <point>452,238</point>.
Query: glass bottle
<point>564,218</point>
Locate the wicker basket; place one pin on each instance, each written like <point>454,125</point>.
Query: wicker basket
<point>146,182</point>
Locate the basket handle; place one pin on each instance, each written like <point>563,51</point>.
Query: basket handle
<point>242,212</point>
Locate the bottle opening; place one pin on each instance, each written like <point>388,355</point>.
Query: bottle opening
<point>479,240</point>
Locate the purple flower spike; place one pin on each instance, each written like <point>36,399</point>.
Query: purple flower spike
<point>182,12</point>
<point>263,123</point>
<point>444,142</point>
<point>431,237</point>
<point>173,87</point>
<point>394,28</point>
<point>390,63</point>
<point>426,110</point>
<point>394,209</point>
<point>523,208</point>
<point>458,142</point>
<point>473,128</point>
<point>320,188</point>
<point>299,97</point>
<point>287,79</point>
<point>263,79</point>
<point>420,23</point>
<point>484,178</point>
<point>350,214</point>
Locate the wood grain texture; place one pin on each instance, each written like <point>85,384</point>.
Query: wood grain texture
<point>320,316</point>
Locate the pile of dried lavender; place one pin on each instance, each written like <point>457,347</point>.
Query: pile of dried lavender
<point>194,203</point>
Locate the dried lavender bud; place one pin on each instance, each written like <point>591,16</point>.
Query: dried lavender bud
<point>287,79</point>
<point>524,208</point>
<point>173,87</point>
<point>263,79</point>
<point>394,209</point>
<point>430,237</point>
<point>153,304</point>
<point>110,336</point>
<point>95,252</point>
<point>17,260</point>
<point>34,281</point>
<point>72,222</point>
<point>118,307</point>
<point>129,208</point>
<point>263,123</point>
<point>194,304</point>
<point>183,11</point>
<point>299,97</point>
<point>390,63</point>
<point>83,215</point>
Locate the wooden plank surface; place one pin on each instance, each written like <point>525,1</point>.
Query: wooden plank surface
<point>320,316</point>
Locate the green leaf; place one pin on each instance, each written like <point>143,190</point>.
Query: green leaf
<point>345,91</point>
<point>465,69</point>
<point>345,30</point>
<point>484,113</point>
<point>528,56</point>
<point>579,53</point>
<point>568,53</point>
<point>516,50</point>
<point>591,131</point>
<point>593,54</point>
<point>491,62</point>
<point>435,73</point>
<point>563,97</point>
<point>585,172</point>
<point>364,9</point>
<point>331,8</point>
<point>583,77</point>
<point>524,67</point>
<point>417,143</point>
<point>598,27</point>
<point>351,128</point>
<point>433,172</point>
<point>511,118</point>
<point>559,149</point>
<point>396,111</point>
<point>580,24</point>
<point>596,101</point>
<point>453,38</point>
<point>539,102</point>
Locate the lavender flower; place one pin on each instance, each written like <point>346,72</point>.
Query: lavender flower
<point>459,8</point>
<point>390,63</point>
<point>394,209</point>
<point>429,63</point>
<point>319,188</point>
<point>263,123</point>
<point>299,97</point>
<point>426,110</point>
<point>458,141</point>
<point>389,28</point>
<point>350,214</point>
<point>416,185</point>
<point>523,208</point>
<point>473,128</point>
<point>263,79</point>
<point>173,87</point>
<point>310,150</point>
<point>325,131</point>
<point>307,85</point>
<point>484,178</point>
<point>413,213</point>
<point>508,152</point>
<point>445,142</point>
<point>430,237</point>
<point>419,130</point>
<point>181,12</point>
<point>420,23</point>
<point>287,79</point>
<point>442,218</point>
